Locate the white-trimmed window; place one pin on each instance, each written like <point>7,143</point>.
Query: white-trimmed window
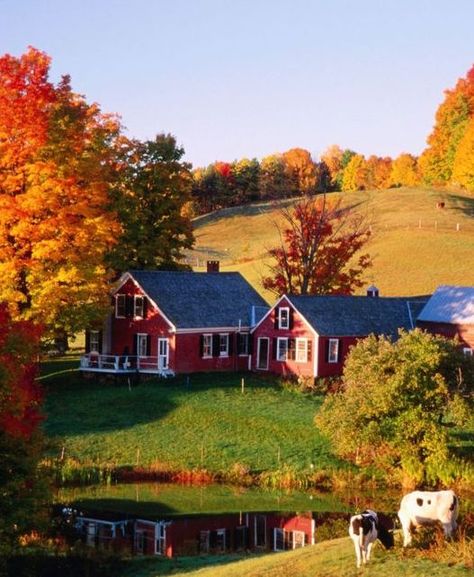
<point>120,306</point>
<point>466,350</point>
<point>301,350</point>
<point>94,345</point>
<point>206,346</point>
<point>142,344</point>
<point>282,349</point>
<point>224,344</point>
<point>333,351</point>
<point>283,318</point>
<point>138,306</point>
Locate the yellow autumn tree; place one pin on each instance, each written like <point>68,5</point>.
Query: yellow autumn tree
<point>355,173</point>
<point>404,171</point>
<point>56,225</point>
<point>463,168</point>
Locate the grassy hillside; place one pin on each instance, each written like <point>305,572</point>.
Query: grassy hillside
<point>334,558</point>
<point>175,425</point>
<point>415,245</point>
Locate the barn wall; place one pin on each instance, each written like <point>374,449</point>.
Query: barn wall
<point>465,333</point>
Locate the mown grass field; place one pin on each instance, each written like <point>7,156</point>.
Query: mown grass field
<point>333,558</point>
<point>415,246</point>
<point>206,423</point>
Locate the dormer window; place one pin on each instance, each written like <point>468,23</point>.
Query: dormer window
<point>284,318</point>
<point>138,306</point>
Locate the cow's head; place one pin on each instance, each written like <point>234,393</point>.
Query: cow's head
<point>385,537</point>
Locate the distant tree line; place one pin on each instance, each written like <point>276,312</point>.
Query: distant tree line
<point>447,160</point>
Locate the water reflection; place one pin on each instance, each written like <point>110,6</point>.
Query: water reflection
<point>170,520</point>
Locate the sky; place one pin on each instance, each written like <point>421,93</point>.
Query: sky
<point>250,78</point>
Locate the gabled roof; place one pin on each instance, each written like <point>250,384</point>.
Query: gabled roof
<point>450,304</point>
<point>201,300</point>
<point>357,315</point>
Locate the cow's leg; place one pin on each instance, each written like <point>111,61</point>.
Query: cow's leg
<point>357,551</point>
<point>364,554</point>
<point>406,529</point>
<point>369,550</point>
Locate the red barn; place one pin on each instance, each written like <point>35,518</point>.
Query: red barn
<point>310,336</point>
<point>169,322</point>
<point>450,313</point>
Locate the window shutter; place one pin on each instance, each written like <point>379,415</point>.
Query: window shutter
<point>239,343</point>
<point>145,307</point>
<point>201,345</point>
<point>290,318</point>
<point>88,341</point>
<point>215,345</point>
<point>310,350</point>
<point>100,342</point>
<point>274,349</point>
<point>232,337</point>
<point>339,350</point>
<point>250,337</point>
<point>129,306</point>
<point>276,319</point>
<point>327,350</point>
<point>135,345</point>
<point>148,346</point>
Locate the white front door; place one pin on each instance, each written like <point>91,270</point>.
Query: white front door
<point>163,353</point>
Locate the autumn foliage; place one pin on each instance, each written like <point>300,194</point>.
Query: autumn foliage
<point>55,220</point>
<point>319,250</point>
<point>20,394</point>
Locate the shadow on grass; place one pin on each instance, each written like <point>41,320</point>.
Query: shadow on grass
<point>76,405</point>
<point>461,204</point>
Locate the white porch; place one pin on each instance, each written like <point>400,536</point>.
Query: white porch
<point>120,364</point>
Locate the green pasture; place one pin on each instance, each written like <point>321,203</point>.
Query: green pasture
<point>415,245</point>
<point>204,422</point>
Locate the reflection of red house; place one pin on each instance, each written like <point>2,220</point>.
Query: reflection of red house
<point>310,336</point>
<point>176,322</point>
<point>202,535</point>
<point>450,313</point>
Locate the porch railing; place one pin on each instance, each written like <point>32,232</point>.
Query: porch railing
<point>123,364</point>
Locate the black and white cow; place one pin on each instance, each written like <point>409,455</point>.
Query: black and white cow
<point>364,530</point>
<point>428,507</point>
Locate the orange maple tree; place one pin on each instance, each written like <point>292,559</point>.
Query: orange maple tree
<point>318,250</point>
<point>56,166</point>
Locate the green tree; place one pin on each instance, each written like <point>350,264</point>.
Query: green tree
<point>246,175</point>
<point>274,181</point>
<point>154,188</point>
<point>398,402</point>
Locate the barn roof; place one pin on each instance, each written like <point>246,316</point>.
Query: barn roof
<point>450,304</point>
<point>358,315</point>
<point>200,299</point>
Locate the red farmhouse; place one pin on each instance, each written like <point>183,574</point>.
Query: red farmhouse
<point>310,336</point>
<point>450,313</point>
<point>176,322</point>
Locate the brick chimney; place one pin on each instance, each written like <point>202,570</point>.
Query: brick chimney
<point>372,291</point>
<point>212,266</point>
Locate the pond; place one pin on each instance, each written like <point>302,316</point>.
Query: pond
<point>170,519</point>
